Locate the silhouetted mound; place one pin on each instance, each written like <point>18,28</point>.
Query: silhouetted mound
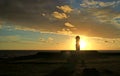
<point>90,72</point>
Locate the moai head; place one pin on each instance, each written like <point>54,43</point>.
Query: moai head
<point>77,38</point>
<point>77,43</point>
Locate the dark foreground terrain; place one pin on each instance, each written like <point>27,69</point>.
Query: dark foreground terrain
<point>62,64</point>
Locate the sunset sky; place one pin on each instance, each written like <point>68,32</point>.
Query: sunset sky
<point>53,24</point>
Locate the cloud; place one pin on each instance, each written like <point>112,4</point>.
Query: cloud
<point>34,14</point>
<point>25,29</point>
<point>59,15</point>
<point>43,14</point>
<point>65,8</point>
<point>95,22</point>
<point>0,26</point>
<point>65,32</point>
<point>9,38</point>
<point>103,14</point>
<point>42,40</point>
<point>116,21</point>
<point>62,15</point>
<point>107,16</point>
<point>69,24</point>
<point>55,16</point>
<point>97,4</point>
<point>48,40</point>
<point>106,4</point>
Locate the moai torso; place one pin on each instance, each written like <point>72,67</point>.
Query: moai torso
<point>77,43</point>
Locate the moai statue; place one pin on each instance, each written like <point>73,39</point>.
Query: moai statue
<point>77,43</point>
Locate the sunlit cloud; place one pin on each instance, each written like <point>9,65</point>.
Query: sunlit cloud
<point>97,4</point>
<point>107,16</point>
<point>59,15</point>
<point>106,4</point>
<point>43,14</point>
<point>65,8</point>
<point>51,16</point>
<point>69,24</point>
<point>103,15</point>
<point>25,29</point>
<point>39,23</point>
<point>65,32</point>
<point>48,40</point>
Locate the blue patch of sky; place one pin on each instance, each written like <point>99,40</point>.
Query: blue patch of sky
<point>56,37</point>
<point>47,35</point>
<point>117,8</point>
<point>76,4</point>
<point>10,31</point>
<point>30,35</point>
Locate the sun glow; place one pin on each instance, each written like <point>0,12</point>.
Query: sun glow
<point>83,44</point>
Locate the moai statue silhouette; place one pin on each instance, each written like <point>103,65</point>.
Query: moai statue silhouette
<point>77,43</point>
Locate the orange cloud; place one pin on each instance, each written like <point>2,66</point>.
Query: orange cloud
<point>69,24</point>
<point>65,32</point>
<point>59,15</point>
<point>65,8</point>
